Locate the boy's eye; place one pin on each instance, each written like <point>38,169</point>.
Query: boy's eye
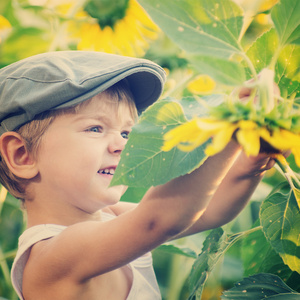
<point>125,134</point>
<point>95,129</point>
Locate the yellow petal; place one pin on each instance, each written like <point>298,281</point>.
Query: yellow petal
<point>248,137</point>
<point>281,139</point>
<point>262,19</point>
<point>129,36</point>
<point>212,125</point>
<point>191,135</point>
<point>281,159</point>
<point>184,132</point>
<point>249,140</point>
<point>196,142</point>
<point>181,134</point>
<point>4,23</point>
<point>138,12</point>
<point>247,124</point>
<point>5,28</point>
<point>286,139</point>
<point>202,84</point>
<point>207,128</point>
<point>267,4</point>
<point>220,140</point>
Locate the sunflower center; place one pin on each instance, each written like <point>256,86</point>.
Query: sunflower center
<point>107,12</point>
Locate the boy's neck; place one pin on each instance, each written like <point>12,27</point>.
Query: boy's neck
<point>53,214</point>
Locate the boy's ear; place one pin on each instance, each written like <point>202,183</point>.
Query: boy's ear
<point>18,159</point>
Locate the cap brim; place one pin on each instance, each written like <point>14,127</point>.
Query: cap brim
<point>145,84</point>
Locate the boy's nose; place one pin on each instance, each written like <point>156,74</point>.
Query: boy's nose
<point>116,143</point>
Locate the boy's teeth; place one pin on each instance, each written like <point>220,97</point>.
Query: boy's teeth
<point>108,171</point>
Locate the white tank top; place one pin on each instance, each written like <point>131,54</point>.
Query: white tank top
<point>144,285</point>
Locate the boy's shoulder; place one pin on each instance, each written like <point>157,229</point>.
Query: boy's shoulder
<point>53,278</point>
<point>39,243</point>
<point>61,255</point>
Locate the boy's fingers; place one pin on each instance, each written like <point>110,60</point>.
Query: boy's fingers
<point>270,164</point>
<point>270,160</point>
<point>286,153</point>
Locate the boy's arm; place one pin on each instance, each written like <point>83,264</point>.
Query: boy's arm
<point>231,196</point>
<point>233,193</point>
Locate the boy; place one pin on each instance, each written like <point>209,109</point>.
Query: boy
<point>65,118</point>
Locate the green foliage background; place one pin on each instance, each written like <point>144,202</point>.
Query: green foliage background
<point>257,255</point>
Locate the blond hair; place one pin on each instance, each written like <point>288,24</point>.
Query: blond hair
<point>33,131</point>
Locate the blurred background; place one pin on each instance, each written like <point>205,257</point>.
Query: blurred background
<point>29,27</point>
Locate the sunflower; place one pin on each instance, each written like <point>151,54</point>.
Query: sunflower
<point>5,27</point>
<point>261,123</point>
<point>120,27</point>
<point>258,124</point>
<point>202,84</point>
<point>249,134</point>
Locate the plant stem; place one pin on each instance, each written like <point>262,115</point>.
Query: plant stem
<point>4,268</point>
<point>266,89</point>
<point>287,171</point>
<point>250,65</point>
<point>3,194</point>
<point>275,57</point>
<point>250,8</point>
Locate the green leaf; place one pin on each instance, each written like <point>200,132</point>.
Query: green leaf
<point>24,42</point>
<point>261,286</point>
<point>297,196</point>
<point>133,194</point>
<point>259,257</point>
<point>224,71</point>
<point>287,71</point>
<point>287,67</point>
<point>143,163</point>
<point>280,219</point>
<point>262,50</point>
<point>199,106</point>
<point>170,248</point>
<point>208,27</point>
<point>285,16</point>
<point>214,247</point>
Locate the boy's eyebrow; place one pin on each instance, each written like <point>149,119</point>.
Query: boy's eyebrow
<point>102,117</point>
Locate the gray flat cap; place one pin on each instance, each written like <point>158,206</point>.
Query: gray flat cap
<point>61,79</point>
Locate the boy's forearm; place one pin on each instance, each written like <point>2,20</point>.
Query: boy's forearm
<point>233,193</point>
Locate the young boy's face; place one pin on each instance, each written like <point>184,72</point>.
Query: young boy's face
<point>80,152</point>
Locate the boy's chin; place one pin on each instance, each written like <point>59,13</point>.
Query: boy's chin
<point>119,189</point>
<point>116,192</point>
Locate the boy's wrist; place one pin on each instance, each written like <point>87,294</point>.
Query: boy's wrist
<point>257,165</point>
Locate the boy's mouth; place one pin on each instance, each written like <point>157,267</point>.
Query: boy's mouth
<point>107,171</point>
